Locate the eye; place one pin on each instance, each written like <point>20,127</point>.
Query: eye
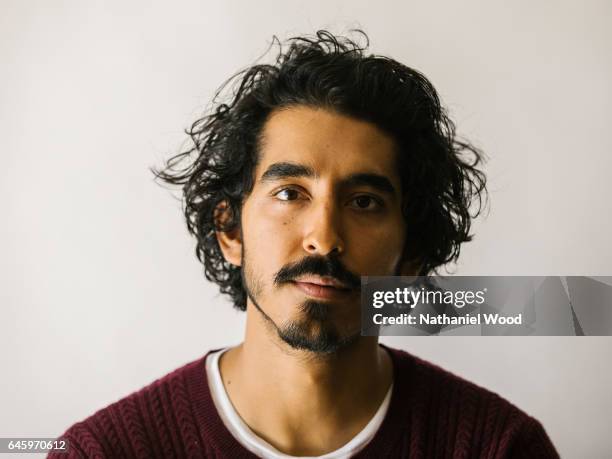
<point>287,194</point>
<point>365,202</point>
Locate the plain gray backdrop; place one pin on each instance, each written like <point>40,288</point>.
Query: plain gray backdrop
<point>100,289</point>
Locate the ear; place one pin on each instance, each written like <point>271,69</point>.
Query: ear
<point>230,242</point>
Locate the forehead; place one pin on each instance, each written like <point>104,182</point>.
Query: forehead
<point>328,142</point>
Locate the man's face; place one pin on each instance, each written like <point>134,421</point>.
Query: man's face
<point>325,209</point>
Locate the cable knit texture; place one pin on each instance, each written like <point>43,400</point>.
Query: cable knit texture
<point>432,414</point>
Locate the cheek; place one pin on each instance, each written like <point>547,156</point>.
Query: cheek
<point>269,235</point>
<point>377,248</point>
<point>279,221</point>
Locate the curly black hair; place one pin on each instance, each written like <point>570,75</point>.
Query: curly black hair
<point>443,188</point>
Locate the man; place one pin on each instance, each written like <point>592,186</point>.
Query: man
<point>324,167</point>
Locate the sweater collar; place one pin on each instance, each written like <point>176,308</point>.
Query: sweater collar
<point>214,433</point>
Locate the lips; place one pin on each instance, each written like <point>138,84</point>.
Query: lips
<point>317,289</point>
<point>322,281</point>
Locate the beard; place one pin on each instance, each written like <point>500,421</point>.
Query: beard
<point>314,331</point>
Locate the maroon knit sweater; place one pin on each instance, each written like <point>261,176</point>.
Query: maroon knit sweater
<point>432,414</point>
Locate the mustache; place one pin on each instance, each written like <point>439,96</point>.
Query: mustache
<point>321,266</point>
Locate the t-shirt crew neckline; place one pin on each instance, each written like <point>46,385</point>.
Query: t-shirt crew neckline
<point>257,445</point>
<point>212,427</point>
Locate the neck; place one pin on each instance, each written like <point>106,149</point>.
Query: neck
<point>278,390</point>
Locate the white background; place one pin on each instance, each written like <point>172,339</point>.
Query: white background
<point>100,290</point>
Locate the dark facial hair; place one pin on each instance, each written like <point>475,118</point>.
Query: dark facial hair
<point>326,339</point>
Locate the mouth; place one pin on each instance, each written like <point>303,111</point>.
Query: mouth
<point>318,289</point>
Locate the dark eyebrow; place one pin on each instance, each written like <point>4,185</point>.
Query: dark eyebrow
<point>279,171</point>
<point>379,182</point>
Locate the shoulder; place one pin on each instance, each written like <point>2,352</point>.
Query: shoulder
<point>431,380</point>
<point>153,418</point>
<point>482,420</point>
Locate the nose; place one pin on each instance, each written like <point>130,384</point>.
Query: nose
<point>323,233</point>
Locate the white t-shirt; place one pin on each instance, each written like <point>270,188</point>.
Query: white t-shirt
<point>260,447</point>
